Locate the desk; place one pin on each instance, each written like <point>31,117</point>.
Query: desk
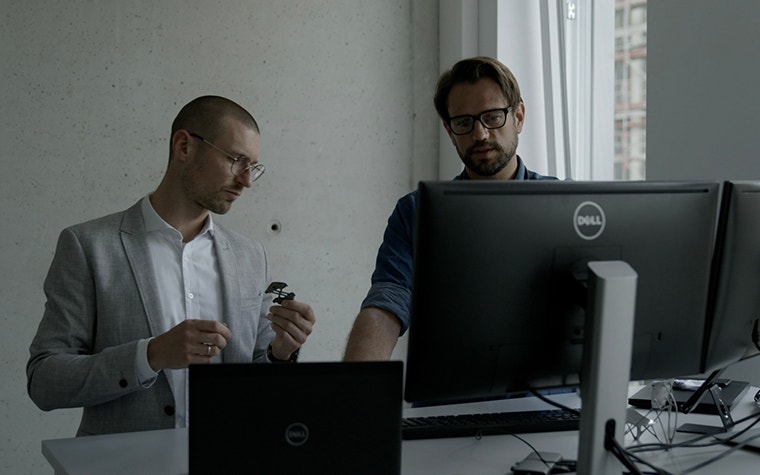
<point>165,451</point>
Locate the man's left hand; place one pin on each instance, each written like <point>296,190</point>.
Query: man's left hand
<point>292,322</point>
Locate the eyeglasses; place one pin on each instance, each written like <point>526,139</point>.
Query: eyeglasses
<point>239,165</point>
<point>490,119</point>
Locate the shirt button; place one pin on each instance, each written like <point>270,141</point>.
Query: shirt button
<point>190,295</point>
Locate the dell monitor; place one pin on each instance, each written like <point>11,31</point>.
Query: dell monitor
<point>735,300</point>
<point>498,302</point>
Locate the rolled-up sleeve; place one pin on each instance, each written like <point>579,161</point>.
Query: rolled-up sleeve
<point>391,288</point>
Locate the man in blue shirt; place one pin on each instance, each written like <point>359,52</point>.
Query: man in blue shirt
<point>480,106</point>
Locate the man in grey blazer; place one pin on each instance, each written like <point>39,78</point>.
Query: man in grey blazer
<point>135,297</point>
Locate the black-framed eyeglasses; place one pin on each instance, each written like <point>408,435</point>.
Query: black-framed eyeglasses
<point>490,119</point>
<point>239,165</point>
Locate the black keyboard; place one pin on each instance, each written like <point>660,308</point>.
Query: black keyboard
<point>467,425</point>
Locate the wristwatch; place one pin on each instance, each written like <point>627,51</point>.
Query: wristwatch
<point>293,356</point>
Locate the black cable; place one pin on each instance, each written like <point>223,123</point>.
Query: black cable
<point>531,448</point>
<point>612,445</point>
<point>721,455</point>
<point>657,470</point>
<point>554,403</point>
<point>566,465</point>
<point>727,440</point>
<point>627,455</point>
<point>692,443</point>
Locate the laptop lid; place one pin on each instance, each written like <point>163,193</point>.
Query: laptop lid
<point>336,418</point>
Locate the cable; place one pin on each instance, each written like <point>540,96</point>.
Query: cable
<point>613,446</point>
<point>693,443</point>
<point>627,456</point>
<point>650,429</point>
<point>672,414</point>
<point>657,470</point>
<point>531,448</point>
<point>720,456</point>
<point>554,403</point>
<point>663,404</point>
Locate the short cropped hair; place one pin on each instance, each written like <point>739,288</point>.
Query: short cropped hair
<point>204,116</point>
<point>470,71</point>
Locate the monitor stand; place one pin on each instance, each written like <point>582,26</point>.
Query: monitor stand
<point>606,367</point>
<point>721,408</point>
<point>697,401</point>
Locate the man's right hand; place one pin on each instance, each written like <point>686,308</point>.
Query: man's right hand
<point>190,342</point>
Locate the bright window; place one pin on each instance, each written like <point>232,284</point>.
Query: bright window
<point>630,89</point>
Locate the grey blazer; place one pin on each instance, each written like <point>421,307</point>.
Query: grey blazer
<point>102,298</point>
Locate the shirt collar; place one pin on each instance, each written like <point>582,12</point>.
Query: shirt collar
<point>154,222</point>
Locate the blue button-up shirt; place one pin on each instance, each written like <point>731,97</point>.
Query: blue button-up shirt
<point>391,288</point>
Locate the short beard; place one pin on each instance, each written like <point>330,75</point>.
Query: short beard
<point>487,169</point>
<point>208,200</point>
<point>215,206</point>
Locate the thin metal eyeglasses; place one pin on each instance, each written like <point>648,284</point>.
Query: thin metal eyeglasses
<point>490,119</point>
<point>239,165</point>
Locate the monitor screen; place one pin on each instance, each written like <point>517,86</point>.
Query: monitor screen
<point>499,280</point>
<point>735,308</point>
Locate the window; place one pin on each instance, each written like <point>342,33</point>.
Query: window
<point>582,64</point>
<point>630,89</point>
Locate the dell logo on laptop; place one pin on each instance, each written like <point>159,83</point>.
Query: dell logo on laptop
<point>589,220</point>
<point>296,434</point>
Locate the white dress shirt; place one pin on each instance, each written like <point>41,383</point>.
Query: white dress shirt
<point>189,288</point>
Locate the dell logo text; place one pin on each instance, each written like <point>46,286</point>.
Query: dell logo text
<point>296,434</point>
<point>589,220</point>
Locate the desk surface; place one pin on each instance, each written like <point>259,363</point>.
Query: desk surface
<point>165,451</point>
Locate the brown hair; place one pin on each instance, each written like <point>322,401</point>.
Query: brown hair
<point>470,71</point>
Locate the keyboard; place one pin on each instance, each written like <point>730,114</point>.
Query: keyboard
<point>468,425</point>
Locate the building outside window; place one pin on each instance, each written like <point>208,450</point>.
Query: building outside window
<point>630,89</point>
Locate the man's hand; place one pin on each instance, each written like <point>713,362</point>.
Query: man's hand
<point>292,322</point>
<point>192,341</point>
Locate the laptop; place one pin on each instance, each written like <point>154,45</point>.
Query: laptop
<point>302,418</point>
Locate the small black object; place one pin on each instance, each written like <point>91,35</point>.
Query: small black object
<point>293,356</point>
<point>534,463</point>
<point>276,288</point>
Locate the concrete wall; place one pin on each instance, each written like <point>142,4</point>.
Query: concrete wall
<point>342,90</point>
<point>703,108</point>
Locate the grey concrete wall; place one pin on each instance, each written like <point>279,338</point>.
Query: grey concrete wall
<point>703,107</point>
<point>342,90</point>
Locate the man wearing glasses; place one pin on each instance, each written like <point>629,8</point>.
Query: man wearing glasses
<point>136,297</point>
<point>480,106</point>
